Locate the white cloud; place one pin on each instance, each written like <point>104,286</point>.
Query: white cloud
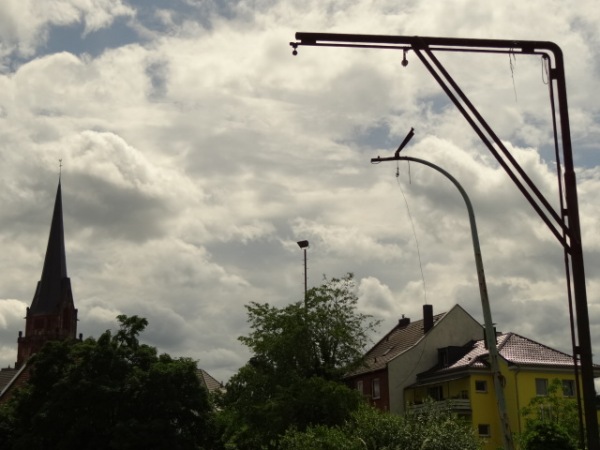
<point>24,24</point>
<point>195,158</point>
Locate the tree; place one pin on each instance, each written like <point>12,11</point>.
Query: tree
<point>432,428</point>
<point>552,421</point>
<point>113,393</point>
<point>301,353</point>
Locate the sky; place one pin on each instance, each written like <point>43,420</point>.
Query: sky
<point>197,150</point>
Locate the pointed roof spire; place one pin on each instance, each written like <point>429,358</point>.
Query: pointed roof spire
<point>49,293</point>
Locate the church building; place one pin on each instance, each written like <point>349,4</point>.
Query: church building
<point>52,314</point>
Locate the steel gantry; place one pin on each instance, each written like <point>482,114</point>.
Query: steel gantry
<point>564,224</point>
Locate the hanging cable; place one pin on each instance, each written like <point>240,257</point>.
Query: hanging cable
<point>413,230</point>
<point>512,61</point>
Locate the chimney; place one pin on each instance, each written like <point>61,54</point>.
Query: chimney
<point>403,322</point>
<point>427,318</point>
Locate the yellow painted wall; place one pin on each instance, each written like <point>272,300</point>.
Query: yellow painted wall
<point>519,389</point>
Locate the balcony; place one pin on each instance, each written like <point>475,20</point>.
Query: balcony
<point>457,405</point>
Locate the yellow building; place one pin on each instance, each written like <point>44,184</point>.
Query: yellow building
<point>462,378</point>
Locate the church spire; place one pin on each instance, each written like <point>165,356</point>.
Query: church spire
<point>52,315</point>
<point>48,295</point>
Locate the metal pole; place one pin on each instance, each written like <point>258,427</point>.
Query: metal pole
<point>490,334</point>
<point>305,279</point>
<point>304,245</point>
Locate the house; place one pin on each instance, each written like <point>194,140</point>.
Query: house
<point>462,378</point>
<point>444,357</point>
<point>407,350</point>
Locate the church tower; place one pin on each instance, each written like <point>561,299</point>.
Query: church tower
<point>52,315</point>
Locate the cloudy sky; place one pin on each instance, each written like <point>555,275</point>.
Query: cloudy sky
<point>197,150</point>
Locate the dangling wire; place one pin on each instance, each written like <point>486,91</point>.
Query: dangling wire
<point>413,229</point>
<point>512,61</point>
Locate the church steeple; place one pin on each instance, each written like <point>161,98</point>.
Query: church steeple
<point>48,294</point>
<point>52,314</point>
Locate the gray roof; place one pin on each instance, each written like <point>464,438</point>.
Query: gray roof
<point>209,382</point>
<point>6,375</point>
<point>401,338</point>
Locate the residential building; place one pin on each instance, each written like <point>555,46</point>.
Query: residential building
<point>408,349</point>
<point>462,378</point>
<point>444,357</point>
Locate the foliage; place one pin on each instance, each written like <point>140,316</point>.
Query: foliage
<point>543,435</point>
<point>432,428</point>
<point>113,393</point>
<point>552,421</point>
<point>323,336</point>
<point>294,378</point>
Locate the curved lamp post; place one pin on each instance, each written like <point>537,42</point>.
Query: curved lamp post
<point>490,334</point>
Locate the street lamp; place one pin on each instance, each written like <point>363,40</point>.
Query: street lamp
<point>490,334</point>
<point>304,245</point>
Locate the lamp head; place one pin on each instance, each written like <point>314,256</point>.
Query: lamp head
<point>303,244</point>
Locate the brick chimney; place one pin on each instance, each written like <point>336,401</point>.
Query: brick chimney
<point>427,318</point>
<point>403,322</point>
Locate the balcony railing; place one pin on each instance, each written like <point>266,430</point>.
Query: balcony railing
<point>454,404</point>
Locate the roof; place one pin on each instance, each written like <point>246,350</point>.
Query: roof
<point>209,382</point>
<point>49,290</point>
<point>514,348</point>
<point>12,379</point>
<point>6,376</point>
<point>402,337</point>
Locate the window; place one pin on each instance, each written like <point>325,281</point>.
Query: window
<point>359,386</point>
<point>375,392</point>
<point>483,429</point>
<point>568,388</point>
<point>436,393</point>
<point>541,386</point>
<point>480,386</point>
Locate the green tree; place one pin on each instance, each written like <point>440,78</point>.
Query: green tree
<point>432,428</point>
<point>113,393</point>
<point>294,378</point>
<point>552,421</point>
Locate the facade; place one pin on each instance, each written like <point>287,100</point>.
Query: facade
<point>461,377</point>
<point>444,358</point>
<point>408,349</point>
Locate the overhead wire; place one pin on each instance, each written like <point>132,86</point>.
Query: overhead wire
<point>412,226</point>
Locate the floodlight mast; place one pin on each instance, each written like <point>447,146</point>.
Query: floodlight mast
<point>565,224</point>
